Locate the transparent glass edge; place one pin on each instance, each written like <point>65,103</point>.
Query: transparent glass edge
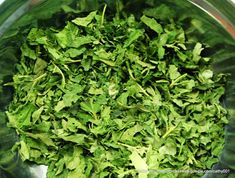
<point>208,8</point>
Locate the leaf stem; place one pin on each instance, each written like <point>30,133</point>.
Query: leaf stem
<point>103,13</point>
<point>169,131</point>
<point>177,79</point>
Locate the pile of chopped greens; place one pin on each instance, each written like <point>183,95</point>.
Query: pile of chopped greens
<point>117,97</point>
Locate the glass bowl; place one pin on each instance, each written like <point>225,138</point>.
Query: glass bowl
<point>213,23</point>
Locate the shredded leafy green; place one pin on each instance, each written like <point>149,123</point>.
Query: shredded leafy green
<point>117,97</point>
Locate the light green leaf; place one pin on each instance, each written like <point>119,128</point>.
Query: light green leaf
<point>197,51</point>
<point>76,138</point>
<point>24,151</point>
<point>36,114</point>
<point>152,23</point>
<point>73,52</point>
<point>173,72</point>
<point>139,164</point>
<point>90,106</point>
<point>169,148</point>
<point>85,21</point>
<point>60,105</point>
<point>134,35</point>
<point>129,133</point>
